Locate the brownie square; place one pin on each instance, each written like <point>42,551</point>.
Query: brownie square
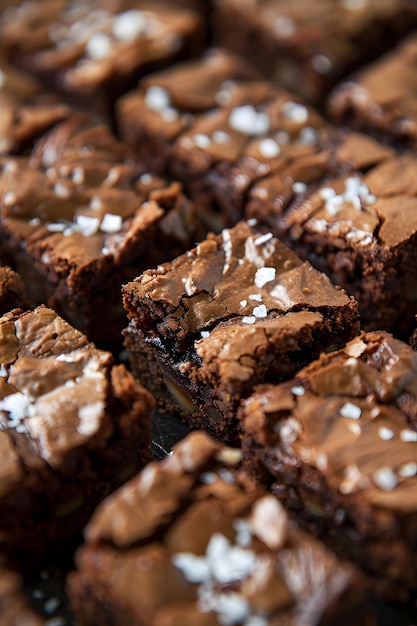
<point>79,217</point>
<point>26,111</point>
<point>94,52</point>
<point>14,606</point>
<point>359,228</point>
<point>211,125</point>
<point>237,310</point>
<point>307,46</point>
<point>73,427</point>
<point>381,98</point>
<point>337,445</point>
<point>186,542</point>
<point>12,291</point>
<point>163,105</point>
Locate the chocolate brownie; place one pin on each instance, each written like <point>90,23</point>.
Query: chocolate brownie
<point>14,607</point>
<point>338,446</point>
<point>94,51</point>
<point>163,105</point>
<point>307,46</point>
<point>382,97</point>
<point>12,291</point>
<point>73,426</point>
<point>185,542</point>
<point>79,217</point>
<point>26,111</point>
<point>218,144</point>
<point>237,310</point>
<point>360,228</point>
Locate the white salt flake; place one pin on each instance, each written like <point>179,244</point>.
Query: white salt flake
<point>352,479</point>
<point>260,311</point>
<point>16,404</point>
<point>247,120</point>
<point>269,522</point>
<point>169,114</point>
<point>298,390</point>
<point>208,478</point>
<point>98,46</point>
<point>201,140</point>
<point>129,25</point>
<point>195,568</point>
<point>9,198</point>
<point>280,293</point>
<point>259,241</point>
<point>354,428</point>
<point>78,175</point>
<point>269,148</point>
<point>407,435</point>
<point>385,433</point>
<point>111,223</point>
<point>351,411</point>
<point>220,136</point>
<point>87,225</point>
<point>205,334</point>
<point>52,604</point>
<point>308,136</point>
<point>56,228</point>
<point>327,192</point>
<point>243,303</point>
<point>62,191</point>
<point>257,297</point>
<point>243,532</point>
<point>146,178</point>
<point>299,187</point>
<point>295,111</point>
<point>408,470</point>
<point>229,563</point>
<point>385,478</point>
<point>232,609</point>
<point>248,319</point>
<point>264,275</point>
<point>157,98</point>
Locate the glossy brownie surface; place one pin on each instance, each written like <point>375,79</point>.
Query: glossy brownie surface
<point>338,445</point>
<point>244,563</point>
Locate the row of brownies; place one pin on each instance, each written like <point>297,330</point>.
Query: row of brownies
<point>243,334</point>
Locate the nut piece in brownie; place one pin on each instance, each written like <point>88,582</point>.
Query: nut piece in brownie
<point>14,606</point>
<point>382,98</point>
<point>185,542</point>
<point>359,228</point>
<point>25,110</point>
<point>220,132</point>
<point>12,291</point>
<point>73,427</point>
<point>237,310</point>
<point>338,446</point>
<point>79,217</point>
<point>307,46</point>
<point>93,51</point>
